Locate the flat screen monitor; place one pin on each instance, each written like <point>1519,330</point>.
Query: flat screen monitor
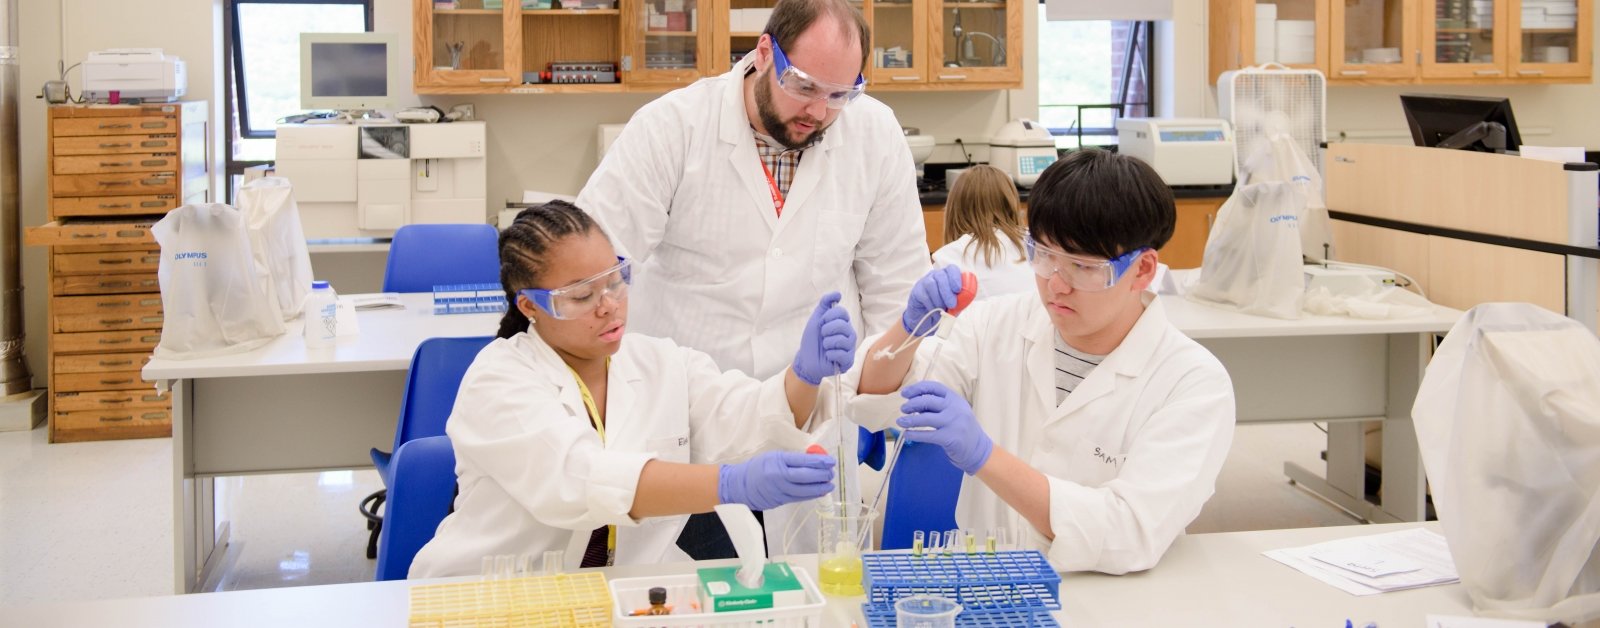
<point>1463,122</point>
<point>349,71</point>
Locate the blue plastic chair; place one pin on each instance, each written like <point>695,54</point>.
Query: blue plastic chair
<point>923,488</point>
<point>424,256</point>
<point>422,489</point>
<point>431,385</point>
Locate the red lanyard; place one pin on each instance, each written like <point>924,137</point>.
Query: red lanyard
<point>777,197</point>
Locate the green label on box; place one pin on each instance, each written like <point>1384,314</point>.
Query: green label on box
<point>720,591</point>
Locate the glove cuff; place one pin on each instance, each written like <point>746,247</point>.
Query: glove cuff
<point>725,484</point>
<point>987,447</point>
<point>800,373</point>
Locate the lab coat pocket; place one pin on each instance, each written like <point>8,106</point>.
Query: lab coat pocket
<point>1093,465</point>
<point>838,232</point>
<point>670,448</point>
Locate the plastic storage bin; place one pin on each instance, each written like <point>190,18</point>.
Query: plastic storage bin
<point>578,600</point>
<point>632,594</point>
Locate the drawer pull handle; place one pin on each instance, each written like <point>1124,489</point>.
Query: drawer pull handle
<point>115,164</point>
<point>113,304</point>
<point>131,233</point>
<point>115,341</point>
<point>116,321</point>
<point>116,401</point>
<point>153,162</point>
<point>150,259</point>
<point>115,382</point>
<point>117,145</point>
<point>111,184</point>
<point>152,416</point>
<point>116,126</point>
<point>150,319</point>
<point>113,262</point>
<point>87,236</point>
<point>150,282</point>
<point>153,144</point>
<point>115,419</point>
<point>154,125</point>
<point>153,398</point>
<point>150,339</point>
<point>154,204</point>
<point>149,302</point>
<point>154,181</point>
<point>116,206</point>
<point>116,363</point>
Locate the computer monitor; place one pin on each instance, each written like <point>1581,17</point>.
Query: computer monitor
<point>1464,122</point>
<point>349,71</point>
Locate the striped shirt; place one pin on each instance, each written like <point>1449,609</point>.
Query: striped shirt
<point>780,160</point>
<point>1072,367</point>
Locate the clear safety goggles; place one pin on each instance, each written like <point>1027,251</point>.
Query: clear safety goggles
<point>800,86</point>
<point>1082,273</point>
<point>584,296</point>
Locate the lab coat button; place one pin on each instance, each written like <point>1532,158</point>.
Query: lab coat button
<point>777,253</point>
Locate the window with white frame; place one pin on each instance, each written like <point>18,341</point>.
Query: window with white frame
<point>1089,74</point>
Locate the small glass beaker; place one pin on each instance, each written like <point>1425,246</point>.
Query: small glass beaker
<point>843,534</point>
<point>926,611</point>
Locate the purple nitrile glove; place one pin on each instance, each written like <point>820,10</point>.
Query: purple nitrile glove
<point>828,344</point>
<point>936,290</point>
<point>955,427</point>
<point>774,478</point>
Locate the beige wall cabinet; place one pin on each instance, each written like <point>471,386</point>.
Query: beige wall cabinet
<point>1410,41</point>
<point>113,172</point>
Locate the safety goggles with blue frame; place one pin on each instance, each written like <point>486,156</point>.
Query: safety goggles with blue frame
<point>1082,273</point>
<point>802,87</point>
<point>582,297</point>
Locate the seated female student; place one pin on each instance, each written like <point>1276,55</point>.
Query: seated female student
<point>571,436</point>
<point>1079,410</point>
<point>983,232</point>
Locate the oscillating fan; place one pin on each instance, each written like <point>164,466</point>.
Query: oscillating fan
<point>1256,99</point>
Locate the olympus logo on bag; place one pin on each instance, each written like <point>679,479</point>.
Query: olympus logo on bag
<point>189,255</point>
<point>1273,220</point>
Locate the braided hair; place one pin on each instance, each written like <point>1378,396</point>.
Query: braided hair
<point>523,246</point>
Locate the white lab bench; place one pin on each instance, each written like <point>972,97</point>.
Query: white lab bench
<point>279,408</point>
<point>1204,580</point>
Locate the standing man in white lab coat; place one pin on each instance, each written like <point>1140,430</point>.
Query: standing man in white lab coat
<point>744,196</point>
<point>1083,417</point>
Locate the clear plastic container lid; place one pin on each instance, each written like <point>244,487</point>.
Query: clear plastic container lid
<point>320,285</point>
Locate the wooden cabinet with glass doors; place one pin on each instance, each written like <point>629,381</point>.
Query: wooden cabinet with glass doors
<point>506,46</point>
<point>1420,41</point>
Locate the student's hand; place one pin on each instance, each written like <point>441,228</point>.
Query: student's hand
<point>775,478</point>
<point>936,290</point>
<point>828,344</point>
<point>955,427</point>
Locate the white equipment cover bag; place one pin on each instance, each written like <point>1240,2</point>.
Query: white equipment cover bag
<point>1253,260</point>
<point>214,299</point>
<point>1508,422</point>
<point>277,242</point>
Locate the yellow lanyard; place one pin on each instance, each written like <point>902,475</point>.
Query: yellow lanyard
<point>599,428</point>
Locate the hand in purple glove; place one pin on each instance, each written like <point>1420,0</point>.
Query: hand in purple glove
<point>828,344</point>
<point>936,290</point>
<point>775,478</point>
<point>930,404</point>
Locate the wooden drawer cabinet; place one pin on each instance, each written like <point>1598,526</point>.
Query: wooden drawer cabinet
<point>114,172</point>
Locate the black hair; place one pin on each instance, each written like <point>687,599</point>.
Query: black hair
<point>523,246</point>
<point>1102,204</point>
<point>792,17</point>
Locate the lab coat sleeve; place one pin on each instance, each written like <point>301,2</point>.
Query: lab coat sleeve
<point>1168,474</point>
<point>518,433</point>
<point>631,193</point>
<point>893,252</point>
<point>733,416</point>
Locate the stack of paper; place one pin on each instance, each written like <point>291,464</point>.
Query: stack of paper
<point>1375,564</point>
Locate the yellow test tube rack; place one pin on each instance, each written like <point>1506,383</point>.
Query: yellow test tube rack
<point>575,600</point>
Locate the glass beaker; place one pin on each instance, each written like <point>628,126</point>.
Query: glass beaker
<point>926,611</point>
<point>843,534</point>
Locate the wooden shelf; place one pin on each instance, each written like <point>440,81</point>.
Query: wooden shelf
<point>439,12</point>
<point>569,12</point>
<point>1550,31</point>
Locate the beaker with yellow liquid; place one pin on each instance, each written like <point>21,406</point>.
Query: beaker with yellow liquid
<point>844,532</point>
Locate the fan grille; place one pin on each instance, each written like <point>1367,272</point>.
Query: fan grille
<point>1257,95</point>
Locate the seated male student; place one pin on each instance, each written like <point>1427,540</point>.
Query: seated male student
<point>1087,419</point>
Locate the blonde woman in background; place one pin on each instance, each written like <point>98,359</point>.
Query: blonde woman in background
<point>983,232</point>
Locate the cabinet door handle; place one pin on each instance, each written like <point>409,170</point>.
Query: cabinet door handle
<point>116,206</point>
<point>115,382</point>
<point>1531,72</point>
<point>116,321</point>
<point>115,419</point>
<point>116,145</point>
<point>116,401</point>
<point>115,164</point>
<point>494,79</point>
<point>952,77</point>
<point>153,162</point>
<point>1487,73</point>
<point>152,144</point>
<point>154,125</point>
<point>116,126</point>
<point>112,184</point>
<point>131,233</point>
<point>116,363</point>
<point>115,341</point>
<point>113,262</point>
<point>903,78</point>
<point>113,304</point>
<point>87,236</point>
<point>1352,72</point>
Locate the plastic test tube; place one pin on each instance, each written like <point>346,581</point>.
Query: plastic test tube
<point>952,540</point>
<point>933,542</point>
<point>972,541</point>
<point>916,543</point>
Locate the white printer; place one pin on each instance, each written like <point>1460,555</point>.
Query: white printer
<point>147,74</point>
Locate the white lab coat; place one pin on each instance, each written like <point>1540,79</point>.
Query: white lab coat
<point>1009,274</point>
<point>534,476</point>
<point>1131,454</point>
<point>683,193</point>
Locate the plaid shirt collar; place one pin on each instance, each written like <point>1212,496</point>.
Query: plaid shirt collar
<point>780,160</point>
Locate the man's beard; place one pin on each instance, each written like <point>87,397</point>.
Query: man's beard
<point>776,127</point>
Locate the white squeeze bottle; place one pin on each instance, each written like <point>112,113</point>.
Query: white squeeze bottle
<point>322,316</point>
